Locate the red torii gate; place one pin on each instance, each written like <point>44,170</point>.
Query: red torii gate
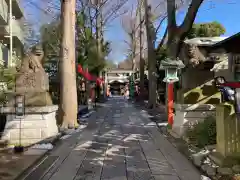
<point>88,76</point>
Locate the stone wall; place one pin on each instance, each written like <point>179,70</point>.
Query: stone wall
<point>188,114</point>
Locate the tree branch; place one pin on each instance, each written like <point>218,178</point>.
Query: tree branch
<point>190,16</point>
<point>114,10</point>
<point>162,40</point>
<point>171,12</point>
<point>160,24</point>
<point>110,19</point>
<point>100,7</point>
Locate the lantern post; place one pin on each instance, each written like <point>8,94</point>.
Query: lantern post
<point>19,113</point>
<point>131,86</point>
<point>171,68</point>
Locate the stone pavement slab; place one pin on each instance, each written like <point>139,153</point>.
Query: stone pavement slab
<point>117,144</point>
<point>12,165</point>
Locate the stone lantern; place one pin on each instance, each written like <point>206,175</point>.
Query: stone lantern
<point>171,68</point>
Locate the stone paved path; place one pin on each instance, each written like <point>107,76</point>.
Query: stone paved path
<point>118,144</point>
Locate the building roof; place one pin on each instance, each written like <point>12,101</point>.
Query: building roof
<point>205,41</point>
<point>119,71</point>
<point>227,42</point>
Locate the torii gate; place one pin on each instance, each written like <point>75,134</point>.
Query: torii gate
<point>88,76</point>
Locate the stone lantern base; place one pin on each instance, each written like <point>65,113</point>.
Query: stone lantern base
<point>37,124</point>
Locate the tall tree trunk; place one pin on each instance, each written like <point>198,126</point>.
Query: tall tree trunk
<point>99,37</point>
<point>152,80</point>
<point>98,30</point>
<point>177,34</point>
<point>174,43</point>
<point>73,62</point>
<point>133,49</point>
<point>102,88</point>
<point>68,90</point>
<point>142,63</point>
<point>87,83</point>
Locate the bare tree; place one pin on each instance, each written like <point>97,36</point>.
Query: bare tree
<point>129,23</point>
<point>177,34</point>
<point>151,39</point>
<point>150,33</point>
<point>142,62</point>
<point>112,9</point>
<point>142,38</point>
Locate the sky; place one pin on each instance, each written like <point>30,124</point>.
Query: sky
<point>225,12</point>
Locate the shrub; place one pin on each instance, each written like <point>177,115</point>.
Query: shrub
<point>203,133</point>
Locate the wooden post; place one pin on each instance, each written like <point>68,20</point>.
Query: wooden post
<point>228,130</point>
<point>228,136</point>
<point>68,90</point>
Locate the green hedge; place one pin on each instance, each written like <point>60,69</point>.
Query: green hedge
<point>203,133</point>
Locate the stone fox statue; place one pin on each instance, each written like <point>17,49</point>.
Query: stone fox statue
<point>32,80</point>
<point>31,75</point>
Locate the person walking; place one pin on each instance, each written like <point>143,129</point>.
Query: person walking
<point>126,93</point>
